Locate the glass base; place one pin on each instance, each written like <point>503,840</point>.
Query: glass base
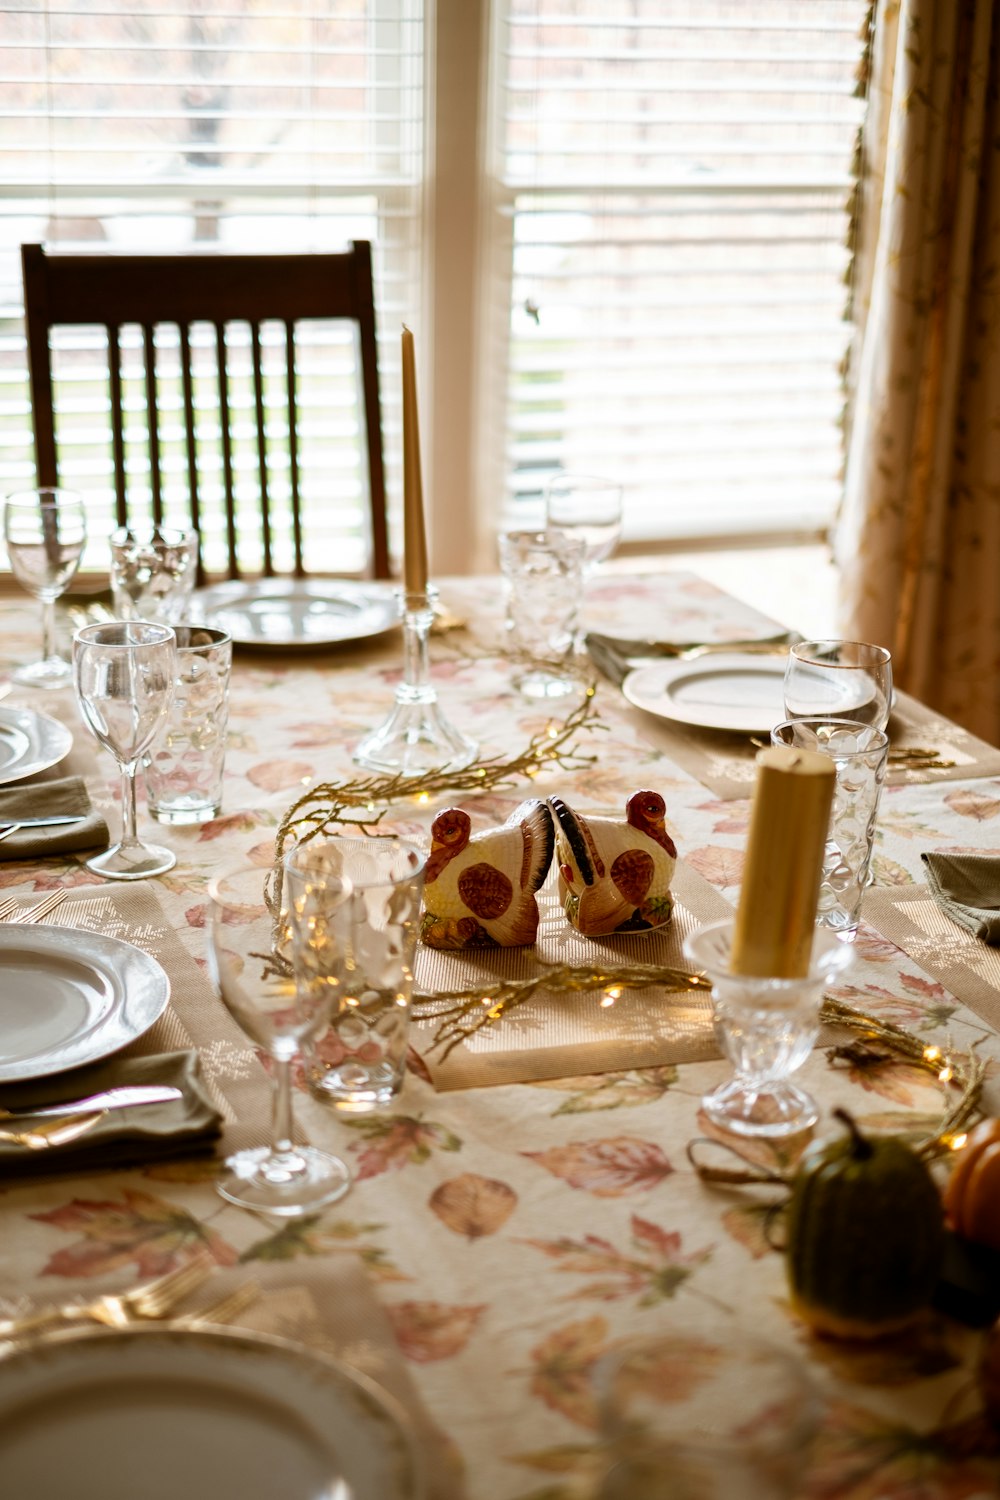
<point>416,738</point>
<point>53,672</point>
<point>766,1109</point>
<point>352,1090</point>
<point>545,685</point>
<point>184,816</point>
<point>285,1185</point>
<point>132,861</point>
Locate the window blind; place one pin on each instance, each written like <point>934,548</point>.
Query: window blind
<point>676,178</point>
<point>201,125</point>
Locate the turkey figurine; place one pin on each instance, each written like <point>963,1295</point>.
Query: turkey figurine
<point>479,888</point>
<point>615,874</point>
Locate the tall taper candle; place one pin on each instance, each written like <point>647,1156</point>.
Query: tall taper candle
<point>789,821</point>
<point>414,539</point>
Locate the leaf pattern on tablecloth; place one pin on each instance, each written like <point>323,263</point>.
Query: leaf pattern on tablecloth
<point>974,802</point>
<point>472,1205</point>
<point>599,1091</point>
<point>926,1014</point>
<point>862,1456</point>
<point>723,867</point>
<point>653,1271</point>
<point>281,775</point>
<point>564,1367</point>
<point>873,947</point>
<point>728,817</point>
<point>313,1236</point>
<point>135,1229</point>
<point>608,1168</point>
<point>749,1224</point>
<point>429,1331</point>
<point>583,1466</point>
<point>396,1141</point>
<point>240,822</point>
<point>889,871</point>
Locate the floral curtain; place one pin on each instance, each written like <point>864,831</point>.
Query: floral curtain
<point>918,541</point>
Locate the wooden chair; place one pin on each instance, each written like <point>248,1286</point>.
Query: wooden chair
<point>119,290</point>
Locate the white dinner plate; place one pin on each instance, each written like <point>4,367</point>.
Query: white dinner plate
<point>290,612</point>
<point>169,1412</point>
<point>30,742</point>
<point>69,997</point>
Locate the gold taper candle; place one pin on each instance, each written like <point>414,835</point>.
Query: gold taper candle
<point>789,821</point>
<point>414,539</point>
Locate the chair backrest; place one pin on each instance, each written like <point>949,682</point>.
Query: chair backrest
<point>115,291</point>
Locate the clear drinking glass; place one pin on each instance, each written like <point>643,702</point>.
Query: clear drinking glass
<point>688,1416</point>
<point>766,1028</point>
<point>588,508</point>
<point>860,754</point>
<point>543,581</point>
<point>153,572</point>
<point>839,680</point>
<point>183,768</point>
<point>280,1011</point>
<point>124,674</point>
<point>359,1064</point>
<point>45,532</point>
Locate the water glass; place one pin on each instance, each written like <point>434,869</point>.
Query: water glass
<point>153,572</point>
<point>588,508</point>
<point>687,1416</point>
<point>184,766</point>
<point>279,1013</point>
<point>860,754</point>
<point>543,581</point>
<point>766,1028</point>
<point>358,1065</point>
<point>45,532</point>
<point>124,677</point>
<point>839,680</point>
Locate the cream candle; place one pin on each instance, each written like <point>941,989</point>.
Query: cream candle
<point>789,821</point>
<point>414,538</point>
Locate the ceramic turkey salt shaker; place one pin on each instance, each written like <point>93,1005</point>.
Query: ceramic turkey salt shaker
<point>615,873</point>
<point>479,889</point>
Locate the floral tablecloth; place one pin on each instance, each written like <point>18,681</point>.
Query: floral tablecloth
<point>514,1235</point>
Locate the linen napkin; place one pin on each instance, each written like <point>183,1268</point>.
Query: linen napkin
<point>49,799</point>
<point>140,1133</point>
<point>967,887</point>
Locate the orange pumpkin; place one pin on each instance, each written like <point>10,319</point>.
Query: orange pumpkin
<point>972,1196</point>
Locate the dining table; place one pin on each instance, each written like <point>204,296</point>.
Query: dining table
<point>531,1201</point>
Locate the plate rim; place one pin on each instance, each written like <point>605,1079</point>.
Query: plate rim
<point>123,1009</point>
<point>179,1331</point>
<point>207,601</point>
<point>669,671</point>
<point>62,733</point>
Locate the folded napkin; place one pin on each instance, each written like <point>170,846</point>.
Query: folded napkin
<point>967,887</point>
<point>50,799</point>
<point>615,656</point>
<point>140,1133</point>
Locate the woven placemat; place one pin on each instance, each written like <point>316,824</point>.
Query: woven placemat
<point>195,1016</point>
<point>724,762</point>
<point>561,1036</point>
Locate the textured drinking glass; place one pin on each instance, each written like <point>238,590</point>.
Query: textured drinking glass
<point>588,508</point>
<point>358,1065</point>
<point>124,676</point>
<point>153,572</point>
<point>766,1028</point>
<point>839,680</point>
<point>184,765</point>
<point>688,1416</point>
<point>280,1014</point>
<point>45,532</point>
<point>543,581</point>
<point>860,754</point>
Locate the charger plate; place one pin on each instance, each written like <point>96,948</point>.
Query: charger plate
<point>284,613</point>
<point>30,742</point>
<point>173,1410</point>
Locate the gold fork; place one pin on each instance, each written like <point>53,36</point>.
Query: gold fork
<point>34,913</point>
<point>227,1309</point>
<point>52,1132</point>
<point>155,1299</point>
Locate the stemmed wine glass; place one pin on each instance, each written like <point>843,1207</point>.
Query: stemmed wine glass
<point>281,1000</point>
<point>124,673</point>
<point>840,680</point>
<point>587,507</point>
<point>45,532</point>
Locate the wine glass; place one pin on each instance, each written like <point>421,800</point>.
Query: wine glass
<point>281,999</point>
<point>45,532</point>
<point>587,507</point>
<point>839,680</point>
<point>124,673</point>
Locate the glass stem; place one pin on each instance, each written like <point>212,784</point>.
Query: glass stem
<point>128,804</point>
<point>281,1115</point>
<point>48,629</point>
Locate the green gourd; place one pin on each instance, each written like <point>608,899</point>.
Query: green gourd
<point>865,1235</point>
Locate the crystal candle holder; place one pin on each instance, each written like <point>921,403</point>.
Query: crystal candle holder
<point>766,1028</point>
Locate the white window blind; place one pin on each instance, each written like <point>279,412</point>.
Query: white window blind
<point>675,179</point>
<point>200,125</point>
